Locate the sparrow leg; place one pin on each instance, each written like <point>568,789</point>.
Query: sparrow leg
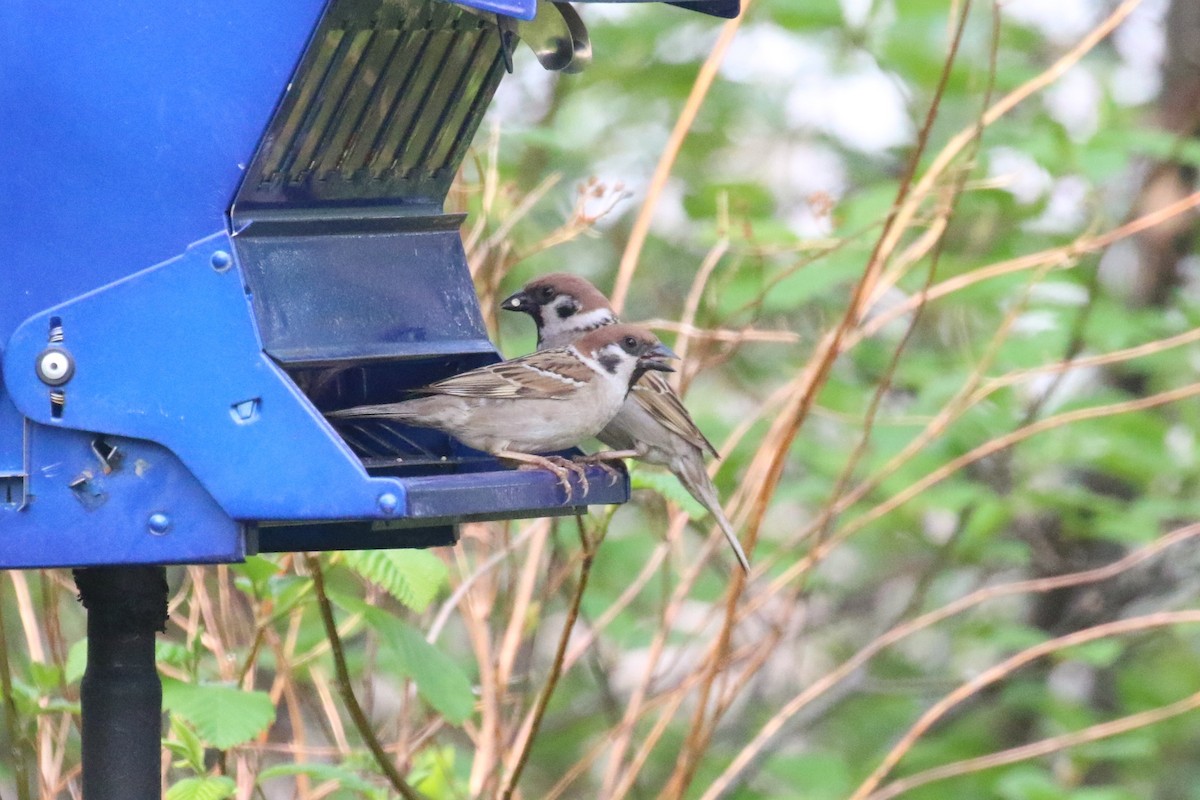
<point>530,461</point>
<point>608,455</point>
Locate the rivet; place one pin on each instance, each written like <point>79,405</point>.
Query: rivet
<point>388,503</point>
<point>159,523</point>
<point>221,261</point>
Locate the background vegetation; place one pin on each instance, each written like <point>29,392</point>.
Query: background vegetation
<point>927,262</point>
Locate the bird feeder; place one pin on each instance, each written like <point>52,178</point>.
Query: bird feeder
<point>221,220</point>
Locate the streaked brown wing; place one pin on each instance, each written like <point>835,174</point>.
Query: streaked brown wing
<point>548,375</point>
<point>657,396</point>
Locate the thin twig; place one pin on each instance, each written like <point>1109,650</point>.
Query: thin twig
<point>447,609</point>
<point>556,667</point>
<point>386,764</point>
<point>20,775</point>
<point>1006,441</point>
<point>879,644</point>
<point>623,733</point>
<point>1003,670</point>
<point>907,211</point>
<point>521,597</point>
<point>666,162</point>
<point>721,335</point>
<point>1092,733</point>
<point>700,730</point>
<point>1065,256</point>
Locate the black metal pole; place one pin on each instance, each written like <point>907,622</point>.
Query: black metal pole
<point>121,694</point>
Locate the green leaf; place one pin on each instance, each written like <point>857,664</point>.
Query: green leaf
<point>210,787</point>
<point>1104,793</point>
<point>254,574</point>
<point>745,199</point>
<point>1100,653</point>
<point>667,485</point>
<point>58,705</point>
<point>822,775</point>
<point>224,716</point>
<point>433,773</point>
<point>174,653</point>
<point>287,591</point>
<point>1029,783</point>
<point>440,681</point>
<point>345,778</point>
<point>46,677</point>
<point>411,576</point>
<point>186,744</point>
<point>76,662</point>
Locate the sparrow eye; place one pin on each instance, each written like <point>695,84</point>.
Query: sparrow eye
<point>546,294</point>
<point>629,343</point>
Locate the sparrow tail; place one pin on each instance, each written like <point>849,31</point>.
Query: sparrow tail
<point>407,411</point>
<point>695,479</point>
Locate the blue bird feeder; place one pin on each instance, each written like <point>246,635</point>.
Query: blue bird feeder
<point>220,223</point>
<point>222,219</point>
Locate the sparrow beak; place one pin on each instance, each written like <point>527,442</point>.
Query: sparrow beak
<point>655,358</point>
<point>518,301</point>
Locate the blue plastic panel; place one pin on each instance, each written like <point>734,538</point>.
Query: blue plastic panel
<point>380,111</point>
<point>402,293</point>
<point>126,129</point>
<point>171,355</point>
<point>526,9</point>
<point>78,515</point>
<point>521,9</point>
<point>727,9</point>
<point>12,438</point>
<point>129,128</point>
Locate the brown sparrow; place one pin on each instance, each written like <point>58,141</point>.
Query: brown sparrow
<point>547,401</point>
<point>653,425</point>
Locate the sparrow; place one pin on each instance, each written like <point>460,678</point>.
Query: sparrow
<point>652,426</point>
<point>546,401</point>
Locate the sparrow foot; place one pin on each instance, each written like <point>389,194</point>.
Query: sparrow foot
<point>572,467</point>
<point>561,467</point>
<point>602,458</point>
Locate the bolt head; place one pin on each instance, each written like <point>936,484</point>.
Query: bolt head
<point>55,366</point>
<point>159,523</point>
<point>221,261</point>
<point>388,503</point>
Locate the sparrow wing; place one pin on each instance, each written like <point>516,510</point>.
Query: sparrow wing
<point>547,375</point>
<point>656,396</point>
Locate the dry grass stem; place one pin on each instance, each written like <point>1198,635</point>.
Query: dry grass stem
<point>1007,667</point>
<point>666,162</point>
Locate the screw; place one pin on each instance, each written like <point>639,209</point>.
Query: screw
<point>221,261</point>
<point>159,523</point>
<point>388,503</point>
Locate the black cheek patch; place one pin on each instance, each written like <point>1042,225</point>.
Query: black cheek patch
<point>566,310</point>
<point>610,362</point>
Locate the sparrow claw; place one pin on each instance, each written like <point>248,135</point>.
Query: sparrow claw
<point>612,472</point>
<point>563,475</point>
<point>574,468</point>
<point>602,458</point>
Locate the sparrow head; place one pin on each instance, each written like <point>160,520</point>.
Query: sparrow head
<point>563,307</point>
<point>626,351</point>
